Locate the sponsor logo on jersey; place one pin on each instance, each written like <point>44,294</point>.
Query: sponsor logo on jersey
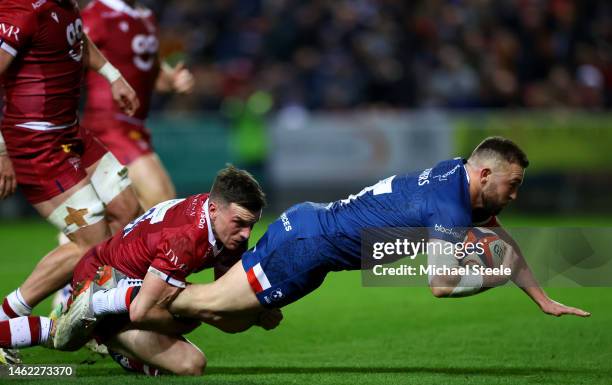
<point>450,172</point>
<point>276,294</point>
<point>286,222</point>
<point>424,177</point>
<point>172,257</point>
<point>10,31</point>
<point>202,220</point>
<point>449,231</point>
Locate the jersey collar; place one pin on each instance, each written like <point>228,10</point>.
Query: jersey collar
<point>211,236</point>
<point>120,6</point>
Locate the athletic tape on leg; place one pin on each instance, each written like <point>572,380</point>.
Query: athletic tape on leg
<point>110,178</point>
<point>83,208</point>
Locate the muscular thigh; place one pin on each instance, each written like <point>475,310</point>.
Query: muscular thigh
<point>49,163</point>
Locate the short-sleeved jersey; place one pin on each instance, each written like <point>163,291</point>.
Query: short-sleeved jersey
<point>436,198</point>
<point>172,240</point>
<point>42,84</point>
<point>128,38</point>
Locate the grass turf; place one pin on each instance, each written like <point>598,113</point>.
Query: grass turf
<point>344,333</point>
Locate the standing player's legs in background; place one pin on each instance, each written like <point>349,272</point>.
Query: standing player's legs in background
<point>98,200</point>
<point>150,180</point>
<point>130,141</point>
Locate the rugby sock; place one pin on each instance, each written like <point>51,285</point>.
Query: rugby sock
<point>22,332</point>
<point>14,306</point>
<point>114,301</point>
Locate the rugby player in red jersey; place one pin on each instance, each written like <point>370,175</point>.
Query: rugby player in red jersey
<point>158,250</point>
<point>63,171</point>
<point>127,34</point>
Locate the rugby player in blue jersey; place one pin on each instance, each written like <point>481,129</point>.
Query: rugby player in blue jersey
<point>310,240</point>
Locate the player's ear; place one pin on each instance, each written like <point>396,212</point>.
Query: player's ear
<point>212,209</point>
<point>484,175</point>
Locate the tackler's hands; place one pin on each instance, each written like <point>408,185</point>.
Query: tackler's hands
<point>270,319</point>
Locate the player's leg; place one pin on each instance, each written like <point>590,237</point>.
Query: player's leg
<point>111,182</point>
<point>150,180</point>
<point>282,268</point>
<point>80,214</point>
<point>174,354</point>
<point>23,332</point>
<point>130,143</point>
<point>230,294</point>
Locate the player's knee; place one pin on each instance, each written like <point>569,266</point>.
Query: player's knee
<point>192,365</point>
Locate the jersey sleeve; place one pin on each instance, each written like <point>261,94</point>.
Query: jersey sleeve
<point>174,258</point>
<point>17,25</point>
<point>93,25</point>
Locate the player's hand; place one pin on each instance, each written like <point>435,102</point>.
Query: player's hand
<point>269,319</point>
<point>182,79</point>
<point>558,309</point>
<point>8,181</point>
<point>125,96</point>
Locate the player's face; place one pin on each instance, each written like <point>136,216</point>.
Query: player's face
<point>232,224</point>
<point>500,187</point>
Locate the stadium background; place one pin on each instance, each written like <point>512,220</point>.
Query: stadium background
<point>319,99</point>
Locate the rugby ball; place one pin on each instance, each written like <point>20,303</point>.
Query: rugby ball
<point>491,248</point>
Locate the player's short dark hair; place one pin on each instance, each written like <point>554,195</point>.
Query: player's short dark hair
<point>233,185</point>
<point>502,147</point>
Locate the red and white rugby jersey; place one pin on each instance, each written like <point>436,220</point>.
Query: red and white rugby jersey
<point>171,240</point>
<point>128,38</point>
<point>42,84</point>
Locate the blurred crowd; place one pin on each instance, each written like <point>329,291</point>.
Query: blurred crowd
<point>382,53</point>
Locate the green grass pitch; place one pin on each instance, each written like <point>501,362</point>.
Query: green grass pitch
<point>347,334</point>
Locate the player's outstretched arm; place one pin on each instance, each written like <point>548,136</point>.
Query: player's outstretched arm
<point>149,310</point>
<point>523,277</point>
<point>8,180</point>
<point>175,79</point>
<point>123,94</point>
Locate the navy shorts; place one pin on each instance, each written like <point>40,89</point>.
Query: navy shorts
<point>292,258</point>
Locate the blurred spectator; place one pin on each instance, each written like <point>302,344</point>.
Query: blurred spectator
<point>318,54</point>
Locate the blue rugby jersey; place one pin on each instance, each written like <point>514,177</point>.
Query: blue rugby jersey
<point>437,198</point>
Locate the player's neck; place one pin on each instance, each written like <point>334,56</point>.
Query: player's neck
<point>474,186</point>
